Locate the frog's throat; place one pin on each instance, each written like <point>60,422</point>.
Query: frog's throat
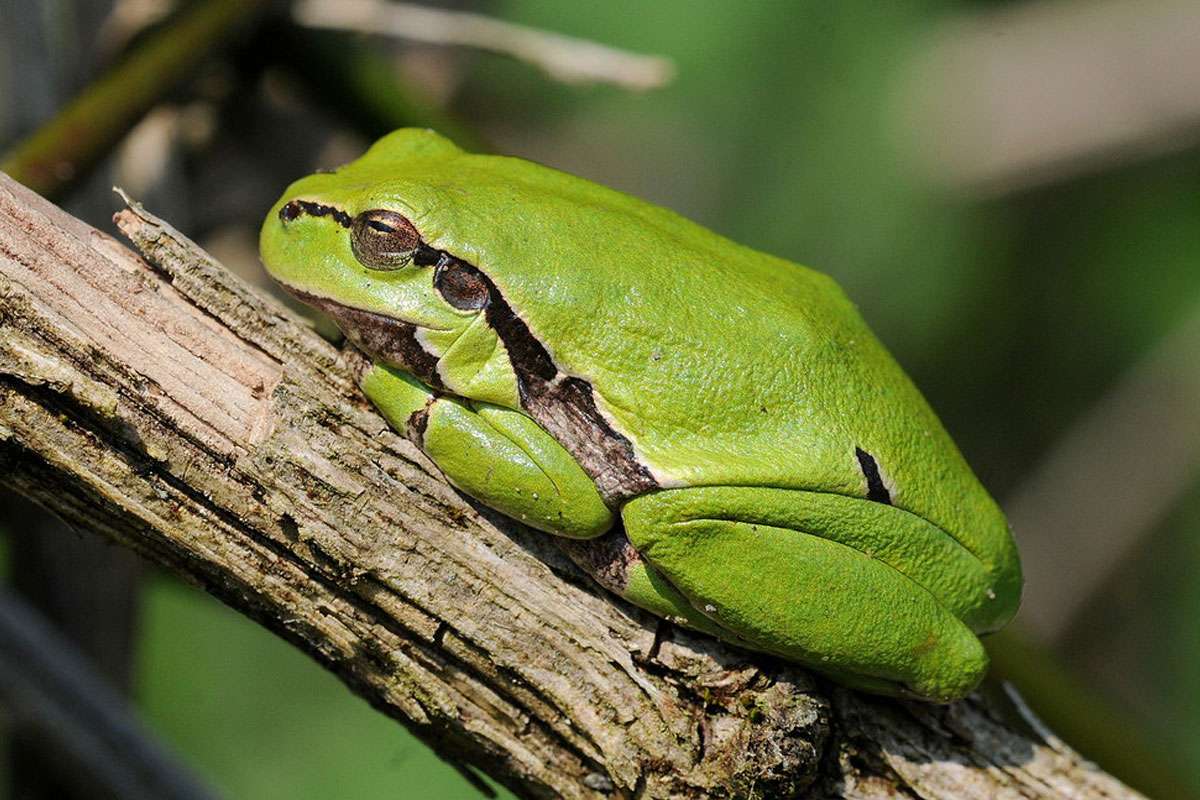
<point>384,338</point>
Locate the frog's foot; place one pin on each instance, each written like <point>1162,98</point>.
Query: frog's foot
<point>500,457</point>
<point>865,592</point>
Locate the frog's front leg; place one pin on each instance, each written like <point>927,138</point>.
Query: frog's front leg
<point>498,456</point>
<point>862,591</point>
<point>506,461</point>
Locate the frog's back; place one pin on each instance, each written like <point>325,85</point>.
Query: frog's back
<point>717,364</point>
<point>721,364</point>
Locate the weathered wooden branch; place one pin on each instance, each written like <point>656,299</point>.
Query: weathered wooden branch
<point>170,408</point>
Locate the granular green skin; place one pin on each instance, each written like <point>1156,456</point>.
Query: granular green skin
<point>569,355</point>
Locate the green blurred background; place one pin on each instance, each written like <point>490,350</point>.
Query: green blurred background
<point>1010,191</point>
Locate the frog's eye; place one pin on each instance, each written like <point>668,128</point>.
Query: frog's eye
<point>383,239</point>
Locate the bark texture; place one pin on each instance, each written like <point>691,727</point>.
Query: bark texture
<point>168,407</point>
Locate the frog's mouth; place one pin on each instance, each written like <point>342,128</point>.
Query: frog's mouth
<point>387,339</point>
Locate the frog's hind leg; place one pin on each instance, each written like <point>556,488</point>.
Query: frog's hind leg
<point>615,564</point>
<point>498,456</point>
<point>864,592</point>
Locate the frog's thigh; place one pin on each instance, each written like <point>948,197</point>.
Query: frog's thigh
<point>808,598</point>
<point>500,457</point>
<point>614,564</point>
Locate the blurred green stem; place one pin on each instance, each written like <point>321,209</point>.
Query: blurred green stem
<point>93,122</point>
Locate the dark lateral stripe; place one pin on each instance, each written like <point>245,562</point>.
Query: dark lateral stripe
<point>564,406</point>
<point>607,558</point>
<point>294,208</point>
<point>875,489</point>
<point>530,359</point>
<point>418,421</point>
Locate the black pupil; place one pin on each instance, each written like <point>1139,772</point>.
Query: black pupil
<point>382,227</point>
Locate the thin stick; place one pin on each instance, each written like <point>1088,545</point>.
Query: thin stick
<point>565,58</point>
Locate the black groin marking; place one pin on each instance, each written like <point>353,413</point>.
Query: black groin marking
<point>875,489</point>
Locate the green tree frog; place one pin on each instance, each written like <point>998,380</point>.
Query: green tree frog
<point>713,430</point>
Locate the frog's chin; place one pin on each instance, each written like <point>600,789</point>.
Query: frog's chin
<point>386,339</point>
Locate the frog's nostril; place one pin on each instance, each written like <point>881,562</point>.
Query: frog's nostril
<point>875,488</point>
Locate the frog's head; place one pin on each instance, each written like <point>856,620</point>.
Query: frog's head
<point>347,242</point>
<point>405,246</point>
